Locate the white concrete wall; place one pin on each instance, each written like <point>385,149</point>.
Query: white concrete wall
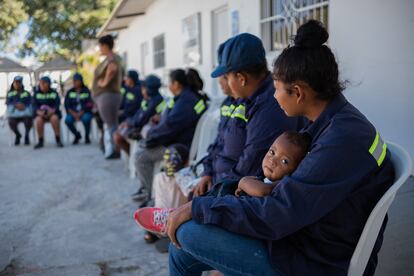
<point>165,16</point>
<point>374,44</point>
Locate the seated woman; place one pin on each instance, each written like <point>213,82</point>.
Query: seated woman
<point>176,126</point>
<point>46,105</point>
<point>131,96</point>
<point>151,104</point>
<point>19,110</point>
<point>312,220</point>
<point>78,105</point>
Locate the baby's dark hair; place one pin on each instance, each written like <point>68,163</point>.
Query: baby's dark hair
<point>311,61</point>
<point>182,151</point>
<point>300,140</point>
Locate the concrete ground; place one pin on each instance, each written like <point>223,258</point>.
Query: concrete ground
<point>67,212</point>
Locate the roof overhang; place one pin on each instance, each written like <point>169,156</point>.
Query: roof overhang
<point>122,15</point>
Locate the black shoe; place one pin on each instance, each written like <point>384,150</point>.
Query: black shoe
<point>77,138</point>
<point>38,145</point>
<point>162,245</point>
<point>59,144</point>
<point>87,140</point>
<point>114,155</point>
<point>140,195</point>
<point>17,140</point>
<point>26,140</point>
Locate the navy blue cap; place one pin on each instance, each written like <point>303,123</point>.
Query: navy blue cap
<point>18,78</point>
<point>240,52</point>
<point>153,84</point>
<point>78,77</point>
<point>46,79</point>
<point>133,75</point>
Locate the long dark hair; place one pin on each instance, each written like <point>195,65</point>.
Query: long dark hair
<point>311,61</point>
<point>190,78</point>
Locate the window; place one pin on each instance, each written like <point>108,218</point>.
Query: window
<point>281,18</point>
<point>192,39</point>
<point>159,51</point>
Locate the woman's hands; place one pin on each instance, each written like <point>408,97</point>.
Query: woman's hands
<point>175,219</point>
<point>203,186</point>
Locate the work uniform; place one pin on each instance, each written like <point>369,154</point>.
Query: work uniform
<point>79,102</point>
<point>50,99</point>
<point>253,126</point>
<point>176,126</point>
<point>131,101</point>
<point>14,97</point>
<point>149,108</point>
<point>312,220</point>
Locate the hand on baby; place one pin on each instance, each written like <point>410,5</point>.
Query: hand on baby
<point>244,184</point>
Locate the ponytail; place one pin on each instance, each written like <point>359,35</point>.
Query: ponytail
<point>190,78</point>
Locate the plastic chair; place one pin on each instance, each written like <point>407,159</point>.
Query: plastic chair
<point>403,167</point>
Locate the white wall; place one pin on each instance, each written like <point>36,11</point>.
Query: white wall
<point>165,16</point>
<point>374,43</point>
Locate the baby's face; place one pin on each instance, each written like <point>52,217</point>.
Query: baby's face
<point>282,159</point>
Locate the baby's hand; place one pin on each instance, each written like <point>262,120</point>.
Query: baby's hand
<point>243,184</point>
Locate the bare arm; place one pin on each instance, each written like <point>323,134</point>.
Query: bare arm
<point>111,70</point>
<point>254,187</point>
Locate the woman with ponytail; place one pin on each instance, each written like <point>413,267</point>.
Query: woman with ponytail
<point>177,125</point>
<point>311,222</point>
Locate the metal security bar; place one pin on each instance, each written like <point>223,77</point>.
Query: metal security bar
<point>281,18</point>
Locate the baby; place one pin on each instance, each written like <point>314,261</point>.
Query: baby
<point>283,157</point>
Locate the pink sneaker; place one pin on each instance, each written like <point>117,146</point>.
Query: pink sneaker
<point>152,219</point>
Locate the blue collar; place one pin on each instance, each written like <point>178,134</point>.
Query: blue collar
<point>314,129</point>
<point>261,89</point>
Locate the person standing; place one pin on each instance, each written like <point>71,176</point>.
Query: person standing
<point>106,91</point>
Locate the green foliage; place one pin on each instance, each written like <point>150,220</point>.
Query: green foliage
<point>12,13</point>
<point>55,27</point>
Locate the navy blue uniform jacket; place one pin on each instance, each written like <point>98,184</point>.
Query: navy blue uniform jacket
<point>312,220</point>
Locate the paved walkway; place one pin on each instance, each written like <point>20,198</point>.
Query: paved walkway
<point>67,212</point>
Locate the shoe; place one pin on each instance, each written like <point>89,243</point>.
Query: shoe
<point>17,140</point>
<point>153,219</point>
<point>162,245</point>
<point>114,155</point>
<point>26,140</point>
<point>59,144</point>
<point>78,136</point>
<point>141,194</point>
<point>38,145</point>
<point>87,140</point>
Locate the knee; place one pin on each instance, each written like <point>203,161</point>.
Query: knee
<point>117,138</point>
<point>54,119</point>
<point>86,118</point>
<point>185,235</point>
<point>69,120</point>
<point>39,121</point>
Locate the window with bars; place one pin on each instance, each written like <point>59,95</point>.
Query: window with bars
<point>159,51</point>
<point>279,19</point>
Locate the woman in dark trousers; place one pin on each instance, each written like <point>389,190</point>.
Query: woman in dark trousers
<point>78,105</point>
<point>311,222</point>
<point>18,103</point>
<point>46,105</point>
<point>177,126</point>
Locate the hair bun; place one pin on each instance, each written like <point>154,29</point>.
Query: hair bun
<point>311,34</point>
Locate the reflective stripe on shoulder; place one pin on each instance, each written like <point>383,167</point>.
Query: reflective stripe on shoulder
<point>200,106</point>
<point>160,107</point>
<point>240,112</point>
<point>171,103</point>
<point>378,149</point>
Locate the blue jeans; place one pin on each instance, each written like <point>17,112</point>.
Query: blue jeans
<point>208,247</point>
<point>85,119</point>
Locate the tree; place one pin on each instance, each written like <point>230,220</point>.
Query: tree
<point>58,27</point>
<point>12,13</point>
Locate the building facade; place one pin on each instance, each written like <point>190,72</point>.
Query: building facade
<point>372,40</point>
